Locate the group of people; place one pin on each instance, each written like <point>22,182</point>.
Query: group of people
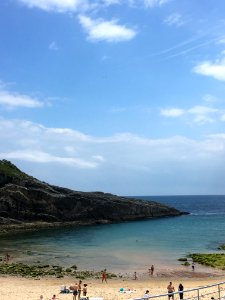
<point>150,272</point>
<point>77,289</point>
<point>171,291</point>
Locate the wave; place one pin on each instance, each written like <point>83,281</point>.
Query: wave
<point>207,213</point>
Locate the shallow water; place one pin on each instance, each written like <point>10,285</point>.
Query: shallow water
<point>129,245</point>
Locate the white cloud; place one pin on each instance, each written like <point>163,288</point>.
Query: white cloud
<point>172,112</point>
<point>43,157</point>
<point>202,110</point>
<point>56,5</point>
<point>13,100</point>
<point>85,5</point>
<point>221,40</point>
<point>199,114</point>
<point>122,163</point>
<point>214,69</point>
<point>174,19</point>
<point>223,118</point>
<point>152,3</point>
<point>110,31</point>
<point>210,99</point>
<point>111,2</point>
<point>53,46</point>
<point>204,114</point>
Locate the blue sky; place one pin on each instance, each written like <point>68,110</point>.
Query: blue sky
<point>117,96</point>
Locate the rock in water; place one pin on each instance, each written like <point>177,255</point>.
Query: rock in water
<point>24,199</point>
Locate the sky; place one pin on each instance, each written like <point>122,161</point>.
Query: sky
<point>119,96</point>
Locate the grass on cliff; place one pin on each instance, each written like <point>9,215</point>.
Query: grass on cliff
<point>215,260</point>
<point>9,169</point>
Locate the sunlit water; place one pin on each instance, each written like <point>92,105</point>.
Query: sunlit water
<point>129,245</point>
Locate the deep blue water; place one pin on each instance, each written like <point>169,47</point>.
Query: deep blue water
<point>130,245</point>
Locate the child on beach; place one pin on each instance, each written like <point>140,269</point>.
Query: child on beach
<point>85,290</point>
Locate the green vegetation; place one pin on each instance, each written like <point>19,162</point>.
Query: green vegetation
<point>35,271</point>
<point>215,260</point>
<point>221,247</point>
<point>9,169</point>
<point>186,263</point>
<point>182,259</point>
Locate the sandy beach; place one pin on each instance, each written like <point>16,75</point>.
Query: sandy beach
<point>12,288</point>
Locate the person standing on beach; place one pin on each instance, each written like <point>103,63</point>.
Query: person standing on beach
<point>75,291</point>
<point>193,266</point>
<point>146,295</point>
<point>7,257</point>
<point>135,276</point>
<point>171,290</point>
<point>152,269</point>
<point>85,290</point>
<point>180,289</point>
<point>104,276</point>
<point>79,289</point>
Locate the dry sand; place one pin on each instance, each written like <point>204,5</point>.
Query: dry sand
<point>16,288</point>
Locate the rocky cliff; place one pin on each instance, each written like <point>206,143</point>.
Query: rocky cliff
<point>24,199</point>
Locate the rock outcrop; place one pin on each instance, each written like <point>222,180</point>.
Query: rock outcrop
<point>24,199</point>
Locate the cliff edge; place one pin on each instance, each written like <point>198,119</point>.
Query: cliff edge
<point>26,200</point>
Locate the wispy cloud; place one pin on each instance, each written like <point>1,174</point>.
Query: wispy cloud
<point>199,114</point>
<point>43,157</point>
<point>10,99</point>
<point>56,5</point>
<point>214,69</point>
<point>110,31</point>
<point>172,112</point>
<point>53,46</point>
<point>174,19</point>
<point>152,3</point>
<point>86,5</point>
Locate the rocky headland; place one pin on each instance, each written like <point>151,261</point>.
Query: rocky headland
<point>26,202</point>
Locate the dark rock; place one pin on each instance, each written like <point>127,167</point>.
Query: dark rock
<point>26,199</point>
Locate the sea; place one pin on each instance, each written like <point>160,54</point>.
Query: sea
<point>133,245</point>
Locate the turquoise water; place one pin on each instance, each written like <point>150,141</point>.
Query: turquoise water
<point>129,245</point>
